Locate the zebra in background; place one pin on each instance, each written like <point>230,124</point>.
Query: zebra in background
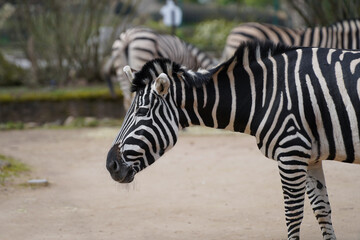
<point>136,46</point>
<point>301,104</point>
<point>343,35</point>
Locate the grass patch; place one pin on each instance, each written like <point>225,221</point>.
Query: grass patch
<point>10,167</point>
<point>11,125</point>
<point>74,123</point>
<point>58,94</point>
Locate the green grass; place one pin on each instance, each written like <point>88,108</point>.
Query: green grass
<point>11,169</point>
<point>79,122</point>
<point>22,94</point>
<point>11,126</point>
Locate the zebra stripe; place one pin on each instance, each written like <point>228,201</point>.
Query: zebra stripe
<point>343,35</point>
<point>300,110</point>
<point>136,46</point>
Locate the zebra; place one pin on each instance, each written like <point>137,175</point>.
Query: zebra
<point>342,34</point>
<point>136,46</point>
<point>301,104</point>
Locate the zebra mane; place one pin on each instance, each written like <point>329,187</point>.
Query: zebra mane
<point>175,70</point>
<point>197,79</point>
<point>262,49</point>
<point>151,68</point>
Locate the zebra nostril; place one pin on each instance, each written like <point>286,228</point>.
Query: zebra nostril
<point>115,166</point>
<point>120,170</point>
<point>112,163</point>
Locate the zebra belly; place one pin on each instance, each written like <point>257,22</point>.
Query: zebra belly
<point>337,150</point>
<point>293,141</point>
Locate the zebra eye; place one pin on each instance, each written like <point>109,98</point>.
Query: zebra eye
<point>142,111</point>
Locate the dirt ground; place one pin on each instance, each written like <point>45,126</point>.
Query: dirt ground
<point>210,186</point>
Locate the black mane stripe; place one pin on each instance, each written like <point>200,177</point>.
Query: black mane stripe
<point>197,79</point>
<point>265,47</point>
<point>145,72</point>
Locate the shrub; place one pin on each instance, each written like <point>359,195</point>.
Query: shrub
<point>10,74</point>
<point>211,35</point>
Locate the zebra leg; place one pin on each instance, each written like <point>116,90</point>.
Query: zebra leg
<point>293,178</point>
<point>317,193</point>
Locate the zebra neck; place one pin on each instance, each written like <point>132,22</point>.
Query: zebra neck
<point>217,102</point>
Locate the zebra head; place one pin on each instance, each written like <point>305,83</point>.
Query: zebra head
<point>151,125</point>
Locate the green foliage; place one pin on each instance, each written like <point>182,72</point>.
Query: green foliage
<point>258,3</point>
<point>11,126</point>
<point>84,122</point>
<point>78,122</point>
<point>6,10</point>
<point>158,26</point>
<point>325,12</point>
<point>11,167</point>
<point>225,2</point>
<point>251,3</point>
<point>211,35</point>
<point>10,74</point>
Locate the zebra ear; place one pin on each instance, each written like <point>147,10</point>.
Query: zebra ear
<point>162,84</point>
<point>129,72</point>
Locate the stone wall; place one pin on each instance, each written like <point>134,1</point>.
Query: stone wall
<point>49,111</point>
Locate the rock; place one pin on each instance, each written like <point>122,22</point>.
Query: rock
<point>38,182</point>
<point>30,125</point>
<point>69,121</point>
<point>56,123</point>
<point>90,122</point>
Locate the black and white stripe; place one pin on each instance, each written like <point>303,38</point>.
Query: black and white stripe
<point>301,104</point>
<point>343,35</point>
<point>136,46</point>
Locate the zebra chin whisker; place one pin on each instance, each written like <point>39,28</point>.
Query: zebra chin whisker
<point>132,186</point>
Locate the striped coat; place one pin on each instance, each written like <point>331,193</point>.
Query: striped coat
<point>301,104</point>
<point>136,46</point>
<point>343,35</point>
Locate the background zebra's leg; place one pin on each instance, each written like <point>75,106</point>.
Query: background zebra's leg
<point>293,180</point>
<point>317,193</point>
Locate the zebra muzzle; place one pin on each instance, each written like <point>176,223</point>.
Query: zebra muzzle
<point>118,168</point>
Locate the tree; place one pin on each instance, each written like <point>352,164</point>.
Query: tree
<point>68,39</point>
<point>325,12</point>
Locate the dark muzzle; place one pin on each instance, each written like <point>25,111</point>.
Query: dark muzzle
<point>120,171</point>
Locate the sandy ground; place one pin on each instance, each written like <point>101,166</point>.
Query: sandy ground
<point>212,186</point>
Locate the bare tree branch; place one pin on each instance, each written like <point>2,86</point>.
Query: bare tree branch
<point>67,36</point>
<point>325,12</point>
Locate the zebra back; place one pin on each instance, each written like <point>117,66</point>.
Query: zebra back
<point>343,35</point>
<point>136,46</point>
<point>253,31</point>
